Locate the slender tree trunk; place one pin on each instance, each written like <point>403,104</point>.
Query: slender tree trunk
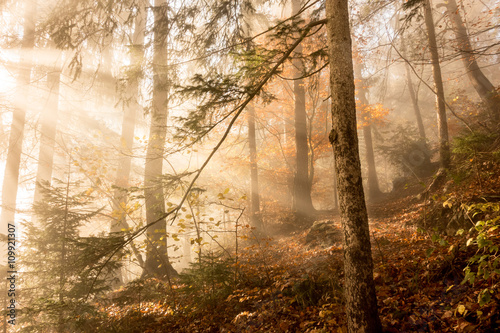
<point>373,188</point>
<point>11,176</point>
<point>302,202</point>
<point>414,102</point>
<point>413,94</point>
<point>480,82</point>
<point>411,89</point>
<point>130,108</point>
<point>157,263</point>
<point>361,301</point>
<point>444,146</point>
<point>256,217</point>
<point>310,144</point>
<point>48,133</point>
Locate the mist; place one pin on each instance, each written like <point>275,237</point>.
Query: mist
<point>189,152</point>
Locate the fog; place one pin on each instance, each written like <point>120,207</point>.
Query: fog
<point>134,113</point>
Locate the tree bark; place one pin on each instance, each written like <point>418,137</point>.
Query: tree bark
<point>480,82</point>
<point>302,201</point>
<point>444,146</point>
<point>373,188</point>
<point>361,301</point>
<point>255,215</point>
<point>11,175</point>
<point>157,263</point>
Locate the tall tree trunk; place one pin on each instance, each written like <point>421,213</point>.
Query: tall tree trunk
<point>130,108</point>
<point>11,176</point>
<point>255,215</point>
<point>444,146</point>
<point>302,202</point>
<point>48,132</point>
<point>157,263</point>
<point>361,301</point>
<point>373,188</point>
<point>480,82</point>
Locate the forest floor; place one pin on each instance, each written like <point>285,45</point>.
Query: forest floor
<point>284,285</point>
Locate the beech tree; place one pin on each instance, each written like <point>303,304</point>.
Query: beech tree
<point>442,122</point>
<point>444,144</point>
<point>484,88</point>
<point>361,301</point>
<point>302,201</point>
<point>157,262</point>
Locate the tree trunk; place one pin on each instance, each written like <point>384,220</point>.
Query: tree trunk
<point>130,108</point>
<point>361,301</point>
<point>335,188</point>
<point>302,202</point>
<point>11,176</point>
<point>373,188</point>
<point>48,133</point>
<point>411,89</point>
<point>480,82</point>
<point>414,102</point>
<point>157,263</point>
<point>444,146</point>
<point>255,215</point>
<point>374,192</point>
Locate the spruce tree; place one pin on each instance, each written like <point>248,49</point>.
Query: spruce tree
<point>62,268</point>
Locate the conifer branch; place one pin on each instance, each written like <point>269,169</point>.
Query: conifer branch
<point>237,112</point>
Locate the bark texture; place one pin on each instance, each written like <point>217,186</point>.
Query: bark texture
<point>444,145</point>
<point>483,86</point>
<point>157,263</point>
<point>361,301</point>
<point>302,201</point>
<point>11,175</point>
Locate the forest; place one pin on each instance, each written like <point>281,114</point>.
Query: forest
<point>250,166</point>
